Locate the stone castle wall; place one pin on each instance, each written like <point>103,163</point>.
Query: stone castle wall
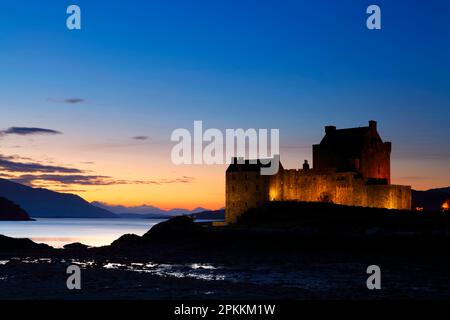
<point>246,190</point>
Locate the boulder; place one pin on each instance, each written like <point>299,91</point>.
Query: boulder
<point>8,244</point>
<point>76,246</point>
<point>127,240</point>
<point>181,227</point>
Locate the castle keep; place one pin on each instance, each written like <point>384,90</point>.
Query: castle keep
<point>350,167</point>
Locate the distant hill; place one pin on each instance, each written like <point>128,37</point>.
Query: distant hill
<point>43,203</point>
<point>145,211</point>
<point>210,215</point>
<point>431,199</point>
<point>202,215</point>
<point>9,211</point>
<point>447,190</point>
<point>143,216</point>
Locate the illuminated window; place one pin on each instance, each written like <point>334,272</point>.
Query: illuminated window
<point>446,206</point>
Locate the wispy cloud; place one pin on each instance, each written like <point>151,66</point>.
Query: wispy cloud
<point>68,190</point>
<point>90,180</point>
<point>87,162</point>
<point>140,138</point>
<point>32,173</point>
<point>25,131</point>
<point>69,100</point>
<point>29,179</point>
<point>183,179</point>
<point>74,100</point>
<point>8,164</point>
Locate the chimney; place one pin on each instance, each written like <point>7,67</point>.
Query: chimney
<point>373,125</point>
<point>306,165</point>
<point>330,129</point>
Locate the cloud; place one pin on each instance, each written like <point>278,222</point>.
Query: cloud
<point>68,190</point>
<point>84,180</point>
<point>6,176</point>
<point>183,179</point>
<point>74,100</point>
<point>15,157</point>
<point>7,164</point>
<point>69,100</point>
<point>24,131</point>
<point>29,172</point>
<point>90,180</point>
<point>140,138</point>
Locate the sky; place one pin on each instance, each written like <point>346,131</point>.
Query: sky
<point>110,95</point>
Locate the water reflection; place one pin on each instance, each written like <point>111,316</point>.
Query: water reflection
<point>196,271</point>
<point>317,277</point>
<point>59,232</point>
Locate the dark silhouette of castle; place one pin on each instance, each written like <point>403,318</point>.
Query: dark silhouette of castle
<point>350,167</point>
<point>355,149</point>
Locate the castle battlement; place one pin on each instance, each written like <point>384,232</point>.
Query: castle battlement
<point>350,167</point>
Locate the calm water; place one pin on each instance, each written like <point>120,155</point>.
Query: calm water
<point>93,232</point>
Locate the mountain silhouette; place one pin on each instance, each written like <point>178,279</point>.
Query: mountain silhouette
<point>209,215</point>
<point>44,203</point>
<point>145,211</point>
<point>11,211</point>
<point>431,199</point>
<point>446,189</point>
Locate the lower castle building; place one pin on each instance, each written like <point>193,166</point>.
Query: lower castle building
<point>350,167</point>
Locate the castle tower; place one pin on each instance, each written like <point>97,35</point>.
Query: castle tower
<point>245,188</point>
<point>355,149</point>
<point>350,167</point>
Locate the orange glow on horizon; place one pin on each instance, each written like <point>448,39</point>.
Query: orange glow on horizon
<point>138,173</point>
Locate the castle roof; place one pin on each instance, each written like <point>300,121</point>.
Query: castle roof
<point>249,165</point>
<point>349,140</point>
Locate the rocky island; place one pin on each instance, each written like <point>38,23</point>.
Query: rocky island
<point>9,211</point>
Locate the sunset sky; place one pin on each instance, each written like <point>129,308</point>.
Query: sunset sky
<point>101,103</point>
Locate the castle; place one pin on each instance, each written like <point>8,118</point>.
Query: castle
<point>350,167</point>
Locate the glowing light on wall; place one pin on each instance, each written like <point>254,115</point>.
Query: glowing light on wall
<point>273,193</point>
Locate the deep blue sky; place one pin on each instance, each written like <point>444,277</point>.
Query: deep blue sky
<point>148,67</point>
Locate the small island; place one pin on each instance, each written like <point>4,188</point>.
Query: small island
<point>9,211</point>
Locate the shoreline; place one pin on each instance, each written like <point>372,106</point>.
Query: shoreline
<point>180,259</point>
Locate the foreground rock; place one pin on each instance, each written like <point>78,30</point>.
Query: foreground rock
<point>8,244</point>
<point>176,228</point>
<point>181,228</point>
<point>76,246</point>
